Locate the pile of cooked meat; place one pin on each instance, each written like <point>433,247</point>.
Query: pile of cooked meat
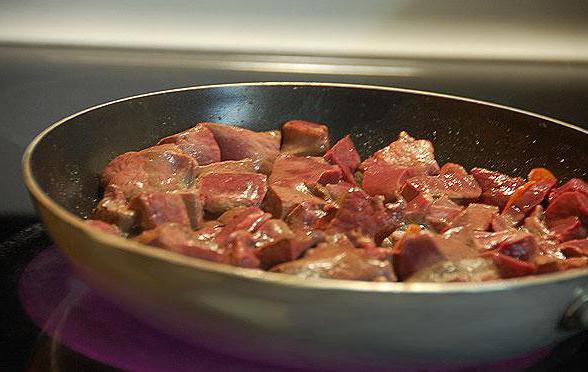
<point>288,202</point>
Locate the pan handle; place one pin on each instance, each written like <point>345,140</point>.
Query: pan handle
<point>576,315</point>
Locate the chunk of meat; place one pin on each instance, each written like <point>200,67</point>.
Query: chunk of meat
<point>239,249</point>
<point>297,171</point>
<point>575,248</point>
<point>306,215</point>
<point>407,152</point>
<point>575,184</point>
<point>194,206</point>
<point>500,223</point>
<point>155,209</point>
<point>181,239</point>
<point>114,209</point>
<point>239,143</point>
<point>417,208</point>
<point>248,219</point>
<point>568,204</point>
<point>367,216</point>
<point>442,212</point>
<point>522,246</point>
<point>419,251</point>
<point>497,188</point>
<point>197,142</point>
<point>227,166</point>
<point>563,265</point>
<point>569,228</point>
<point>475,217</point>
<point>276,243</point>
<point>466,270</point>
<point>156,169</point>
<point>105,227</point>
<point>453,181</point>
<point>486,240</point>
<point>304,138</point>
<point>335,262</point>
<point>382,178</point>
<point>535,224</point>
<point>510,267</point>
<point>281,200</point>
<point>345,156</point>
<point>524,200</point>
<point>338,191</point>
<point>223,191</point>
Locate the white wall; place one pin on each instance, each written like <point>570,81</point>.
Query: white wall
<point>501,29</point>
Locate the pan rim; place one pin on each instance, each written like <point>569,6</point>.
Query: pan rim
<point>276,278</point>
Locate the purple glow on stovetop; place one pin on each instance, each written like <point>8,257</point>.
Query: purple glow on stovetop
<point>89,324</point>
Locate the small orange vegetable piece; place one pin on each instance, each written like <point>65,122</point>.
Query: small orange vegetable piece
<point>411,229</point>
<point>541,174</point>
<point>517,194</point>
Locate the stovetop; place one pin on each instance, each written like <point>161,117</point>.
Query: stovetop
<point>53,321</point>
<point>40,85</point>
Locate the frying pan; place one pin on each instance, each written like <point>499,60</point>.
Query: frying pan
<point>285,319</point>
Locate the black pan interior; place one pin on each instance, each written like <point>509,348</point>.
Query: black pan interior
<point>67,162</point>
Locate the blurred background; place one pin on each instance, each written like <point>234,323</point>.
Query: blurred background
<point>60,56</point>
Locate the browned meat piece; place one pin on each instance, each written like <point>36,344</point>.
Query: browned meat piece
<point>197,142</point>
<point>575,184</point>
<point>227,166</point>
<point>475,217</point>
<point>296,171</point>
<point>575,248</point>
<point>181,239</point>
<point>105,227</point>
<point>569,228</point>
<point>466,270</point>
<point>441,213</point>
<point>306,215</point>
<point>281,200</point>
<point>485,240</point>
<point>417,208</point>
<point>156,169</point>
<point>240,143</point>
<point>499,223</point>
<point>114,209</point>
<point>248,219</point>
<point>453,181</point>
<point>276,243</point>
<point>497,188</point>
<point>157,208</point>
<point>367,216</point>
<point>407,152</point>
<point>419,251</point>
<point>223,191</point>
<point>338,191</point>
<point>335,262</point>
<point>567,204</point>
<point>437,213</point>
<point>524,200</point>
<point>510,267</point>
<point>240,251</point>
<point>563,265</point>
<point>535,224</point>
<point>382,178</point>
<point>345,156</point>
<point>303,138</point>
<point>522,246</point>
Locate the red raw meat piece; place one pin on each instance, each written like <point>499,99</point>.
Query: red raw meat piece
<point>304,138</point>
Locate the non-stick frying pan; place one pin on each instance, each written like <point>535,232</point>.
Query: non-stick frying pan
<point>286,319</point>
